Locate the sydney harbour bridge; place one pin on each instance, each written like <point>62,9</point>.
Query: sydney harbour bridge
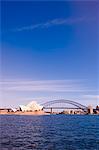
<point>51,105</point>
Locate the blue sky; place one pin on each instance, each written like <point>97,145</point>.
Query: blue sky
<point>49,50</point>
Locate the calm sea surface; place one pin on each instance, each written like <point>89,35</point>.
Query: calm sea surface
<point>52,132</point>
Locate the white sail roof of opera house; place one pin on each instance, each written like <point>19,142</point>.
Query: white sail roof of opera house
<point>32,106</point>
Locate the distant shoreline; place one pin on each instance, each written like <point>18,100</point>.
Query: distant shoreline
<point>24,113</point>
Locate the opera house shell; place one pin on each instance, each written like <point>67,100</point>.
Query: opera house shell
<point>32,106</point>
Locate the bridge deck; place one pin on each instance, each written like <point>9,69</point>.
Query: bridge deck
<point>60,108</point>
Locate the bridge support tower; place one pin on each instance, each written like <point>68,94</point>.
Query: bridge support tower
<point>51,110</point>
<point>90,110</point>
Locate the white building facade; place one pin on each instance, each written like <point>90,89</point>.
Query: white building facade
<point>32,106</point>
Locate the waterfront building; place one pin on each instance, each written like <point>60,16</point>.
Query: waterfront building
<point>32,106</point>
<point>5,110</point>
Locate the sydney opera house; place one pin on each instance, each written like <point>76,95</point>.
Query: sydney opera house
<point>32,106</point>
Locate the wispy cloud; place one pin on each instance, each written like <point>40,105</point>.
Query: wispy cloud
<point>50,23</point>
<point>91,97</point>
<point>43,86</point>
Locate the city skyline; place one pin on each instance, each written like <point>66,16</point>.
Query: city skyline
<point>49,50</point>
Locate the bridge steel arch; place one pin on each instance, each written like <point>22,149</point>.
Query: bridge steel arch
<point>78,105</point>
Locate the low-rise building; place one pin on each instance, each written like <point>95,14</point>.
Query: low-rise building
<point>5,110</point>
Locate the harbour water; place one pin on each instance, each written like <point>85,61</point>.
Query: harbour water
<point>49,132</point>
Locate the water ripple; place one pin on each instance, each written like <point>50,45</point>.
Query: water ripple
<point>53,132</point>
